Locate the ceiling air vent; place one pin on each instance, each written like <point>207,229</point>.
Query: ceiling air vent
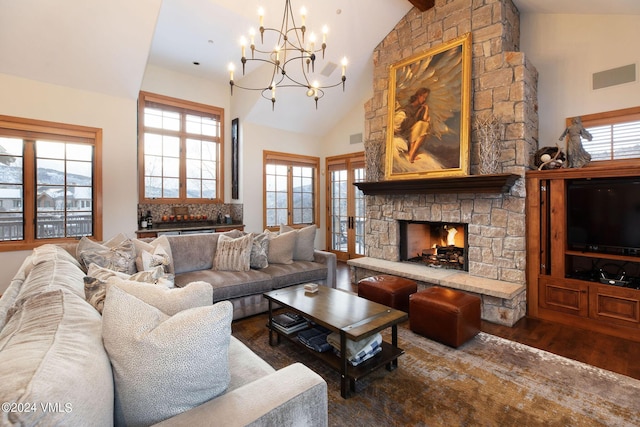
<point>328,69</point>
<point>614,76</point>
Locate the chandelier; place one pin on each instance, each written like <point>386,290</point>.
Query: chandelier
<point>292,60</point>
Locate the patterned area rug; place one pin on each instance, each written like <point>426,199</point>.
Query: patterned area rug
<point>489,381</point>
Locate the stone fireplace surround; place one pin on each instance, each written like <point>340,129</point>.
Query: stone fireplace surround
<point>503,83</point>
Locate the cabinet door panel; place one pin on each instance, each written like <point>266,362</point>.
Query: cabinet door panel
<point>617,305</point>
<point>563,296</point>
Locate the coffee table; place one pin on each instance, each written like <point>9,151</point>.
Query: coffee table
<point>351,316</point>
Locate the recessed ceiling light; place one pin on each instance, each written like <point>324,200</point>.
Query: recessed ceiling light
<point>196,63</point>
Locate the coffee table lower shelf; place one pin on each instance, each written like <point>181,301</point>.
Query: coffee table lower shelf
<point>388,356</point>
<point>351,316</point>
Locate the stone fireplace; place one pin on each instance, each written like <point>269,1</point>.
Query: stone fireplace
<point>504,83</point>
<point>434,244</point>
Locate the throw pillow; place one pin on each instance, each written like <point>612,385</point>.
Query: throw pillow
<point>116,254</point>
<point>259,251</point>
<point>233,254</point>
<point>305,240</point>
<point>281,246</point>
<point>164,365</point>
<point>155,275</point>
<point>169,301</point>
<point>95,282</point>
<point>156,252</point>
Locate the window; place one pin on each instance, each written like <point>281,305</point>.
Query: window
<point>616,134</point>
<point>180,150</point>
<point>291,189</point>
<point>50,179</point>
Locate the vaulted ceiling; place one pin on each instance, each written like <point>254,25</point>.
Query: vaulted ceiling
<point>105,46</point>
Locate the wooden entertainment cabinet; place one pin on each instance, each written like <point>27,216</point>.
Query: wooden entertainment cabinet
<point>554,291</point>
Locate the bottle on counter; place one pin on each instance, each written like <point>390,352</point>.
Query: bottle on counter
<point>149,219</point>
<point>142,221</point>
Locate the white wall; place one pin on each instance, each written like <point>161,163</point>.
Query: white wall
<point>337,141</point>
<point>567,50</point>
<point>115,116</point>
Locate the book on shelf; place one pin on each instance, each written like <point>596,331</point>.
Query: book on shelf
<point>289,322</point>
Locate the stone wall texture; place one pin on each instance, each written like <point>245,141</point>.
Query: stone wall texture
<point>504,83</point>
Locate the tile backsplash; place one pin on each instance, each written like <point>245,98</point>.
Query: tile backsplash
<point>158,210</point>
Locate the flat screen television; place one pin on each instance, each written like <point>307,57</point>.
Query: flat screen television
<point>603,215</point>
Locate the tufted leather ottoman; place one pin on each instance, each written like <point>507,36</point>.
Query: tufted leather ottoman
<point>445,315</point>
<point>388,290</point>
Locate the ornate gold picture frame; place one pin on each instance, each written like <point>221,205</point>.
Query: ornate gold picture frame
<point>428,131</point>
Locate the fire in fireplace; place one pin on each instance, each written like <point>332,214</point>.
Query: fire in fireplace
<point>435,244</point>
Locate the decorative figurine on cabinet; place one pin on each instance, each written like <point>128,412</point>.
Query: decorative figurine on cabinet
<point>577,156</point>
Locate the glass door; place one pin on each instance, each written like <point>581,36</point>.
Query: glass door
<point>346,206</point>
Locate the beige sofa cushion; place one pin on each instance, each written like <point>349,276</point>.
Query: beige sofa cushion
<point>50,268</point>
<point>305,241</point>
<point>51,352</point>
<point>281,247</point>
<point>164,365</point>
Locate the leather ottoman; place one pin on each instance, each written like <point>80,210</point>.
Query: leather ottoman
<point>388,290</point>
<point>445,315</point>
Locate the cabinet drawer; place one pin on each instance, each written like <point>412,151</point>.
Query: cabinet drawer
<point>615,305</point>
<point>563,296</point>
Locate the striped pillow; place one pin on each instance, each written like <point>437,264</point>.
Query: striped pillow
<point>233,254</point>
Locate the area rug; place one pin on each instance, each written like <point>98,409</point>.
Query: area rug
<point>488,381</point>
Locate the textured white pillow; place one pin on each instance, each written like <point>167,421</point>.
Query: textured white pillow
<point>233,254</point>
<point>281,246</point>
<point>305,240</point>
<point>169,301</point>
<point>164,365</point>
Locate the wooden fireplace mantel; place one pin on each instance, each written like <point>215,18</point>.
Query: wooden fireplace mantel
<point>493,183</point>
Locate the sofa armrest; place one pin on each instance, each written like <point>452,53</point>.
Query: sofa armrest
<point>294,395</point>
<point>330,259</point>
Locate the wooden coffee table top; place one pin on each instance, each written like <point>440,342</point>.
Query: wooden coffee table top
<point>339,310</point>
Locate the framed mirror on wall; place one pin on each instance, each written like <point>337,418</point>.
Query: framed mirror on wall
<point>235,156</point>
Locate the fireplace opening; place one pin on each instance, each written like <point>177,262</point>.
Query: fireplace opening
<point>435,244</point>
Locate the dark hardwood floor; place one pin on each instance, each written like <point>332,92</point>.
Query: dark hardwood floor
<point>604,351</point>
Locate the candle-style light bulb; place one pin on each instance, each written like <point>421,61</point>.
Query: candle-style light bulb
<point>243,44</point>
<point>312,42</point>
<point>252,35</point>
<point>303,15</point>
<point>261,14</point>
<point>344,66</point>
<point>231,68</point>
<point>325,30</point>
<point>273,90</point>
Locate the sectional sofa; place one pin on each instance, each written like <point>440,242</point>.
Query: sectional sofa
<point>150,354</point>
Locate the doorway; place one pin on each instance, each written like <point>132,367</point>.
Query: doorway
<point>346,206</point>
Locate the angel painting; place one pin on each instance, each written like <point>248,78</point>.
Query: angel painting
<point>429,113</point>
